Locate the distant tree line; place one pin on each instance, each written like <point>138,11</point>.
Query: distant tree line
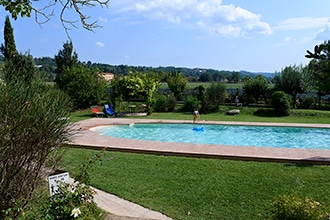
<point>47,67</point>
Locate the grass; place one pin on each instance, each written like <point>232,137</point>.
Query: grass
<point>191,188</point>
<point>247,114</point>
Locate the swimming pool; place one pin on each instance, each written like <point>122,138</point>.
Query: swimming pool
<point>279,137</point>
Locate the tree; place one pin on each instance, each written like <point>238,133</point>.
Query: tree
<point>21,8</point>
<point>20,68</point>
<point>216,94</point>
<point>177,83</point>
<point>85,86</point>
<point>290,81</point>
<point>9,48</point>
<point>17,67</point>
<point>308,80</point>
<point>205,77</point>
<point>320,66</point>
<point>136,85</point>
<point>255,88</point>
<point>66,58</point>
<point>217,76</point>
<point>235,77</point>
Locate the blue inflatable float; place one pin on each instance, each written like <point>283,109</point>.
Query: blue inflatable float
<point>198,128</point>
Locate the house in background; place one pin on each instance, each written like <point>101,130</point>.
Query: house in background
<point>108,76</point>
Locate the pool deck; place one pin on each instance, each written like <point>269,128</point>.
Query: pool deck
<point>87,138</point>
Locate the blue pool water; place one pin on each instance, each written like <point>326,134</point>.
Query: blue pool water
<point>281,137</point>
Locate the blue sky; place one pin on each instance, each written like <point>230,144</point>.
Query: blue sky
<point>257,36</point>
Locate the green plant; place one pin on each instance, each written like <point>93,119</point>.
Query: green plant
<point>83,174</point>
<point>32,130</point>
<point>207,188</point>
<point>75,200</point>
<point>164,103</point>
<point>190,103</point>
<point>292,207</point>
<point>71,201</point>
<point>281,103</point>
<point>14,210</point>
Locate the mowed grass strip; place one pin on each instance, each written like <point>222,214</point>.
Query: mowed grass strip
<point>247,114</point>
<point>193,188</point>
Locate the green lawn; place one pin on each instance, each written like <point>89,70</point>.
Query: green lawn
<point>193,188</point>
<point>247,114</point>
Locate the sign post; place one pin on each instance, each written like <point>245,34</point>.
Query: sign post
<point>56,179</point>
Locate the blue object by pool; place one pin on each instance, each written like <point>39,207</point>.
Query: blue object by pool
<point>198,128</point>
<point>281,137</point>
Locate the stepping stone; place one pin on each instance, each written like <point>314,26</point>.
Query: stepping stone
<point>233,112</point>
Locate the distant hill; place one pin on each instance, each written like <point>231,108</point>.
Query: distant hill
<point>252,74</point>
<point>48,65</point>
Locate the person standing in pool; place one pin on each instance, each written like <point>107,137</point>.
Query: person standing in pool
<point>196,115</point>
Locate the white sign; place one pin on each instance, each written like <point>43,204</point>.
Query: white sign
<point>56,179</point>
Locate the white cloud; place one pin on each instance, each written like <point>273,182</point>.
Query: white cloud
<point>301,23</point>
<point>210,15</point>
<point>99,44</point>
<point>102,19</point>
<point>288,41</point>
<point>324,34</point>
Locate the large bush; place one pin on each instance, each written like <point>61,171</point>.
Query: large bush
<point>281,103</point>
<point>190,103</point>
<point>163,103</point>
<point>33,127</point>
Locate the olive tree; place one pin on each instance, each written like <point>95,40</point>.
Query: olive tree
<point>290,81</point>
<point>177,83</point>
<point>215,95</point>
<point>255,89</point>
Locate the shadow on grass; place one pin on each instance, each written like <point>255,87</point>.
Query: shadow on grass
<point>266,113</point>
<point>301,165</point>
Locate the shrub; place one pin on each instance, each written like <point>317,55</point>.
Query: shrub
<point>32,130</point>
<point>71,201</point>
<point>190,103</point>
<point>308,102</point>
<point>294,208</point>
<point>281,103</point>
<point>75,200</point>
<point>164,103</point>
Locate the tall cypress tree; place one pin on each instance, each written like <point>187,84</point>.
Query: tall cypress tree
<point>17,66</point>
<point>9,49</point>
